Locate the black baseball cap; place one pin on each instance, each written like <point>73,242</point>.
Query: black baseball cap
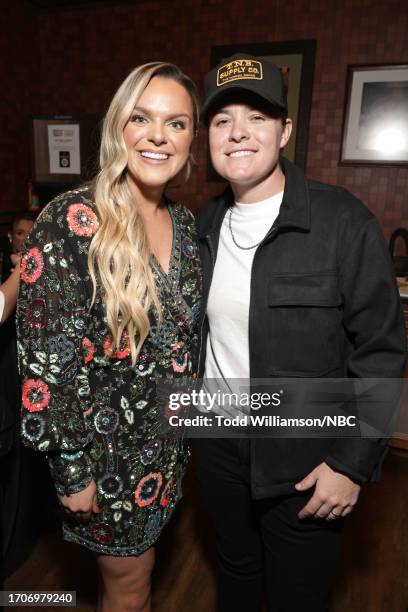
<point>244,72</point>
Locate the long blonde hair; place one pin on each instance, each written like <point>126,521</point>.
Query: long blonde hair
<point>119,251</point>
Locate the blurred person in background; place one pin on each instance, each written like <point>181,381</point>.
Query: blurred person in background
<point>20,228</point>
<point>18,521</point>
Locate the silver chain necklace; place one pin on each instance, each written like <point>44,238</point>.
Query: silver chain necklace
<point>243,248</point>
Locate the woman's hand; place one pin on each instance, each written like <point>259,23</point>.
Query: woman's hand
<point>15,259</point>
<point>81,505</point>
<point>335,494</point>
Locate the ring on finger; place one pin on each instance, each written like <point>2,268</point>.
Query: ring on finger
<point>332,515</point>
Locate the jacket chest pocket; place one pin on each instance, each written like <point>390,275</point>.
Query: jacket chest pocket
<point>305,315</point>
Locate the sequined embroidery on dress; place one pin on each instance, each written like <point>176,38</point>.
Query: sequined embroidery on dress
<point>92,413</point>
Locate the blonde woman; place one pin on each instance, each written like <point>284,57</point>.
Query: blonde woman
<point>108,307</point>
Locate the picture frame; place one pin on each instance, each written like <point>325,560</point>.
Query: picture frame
<point>375,123</point>
<point>64,148</point>
<point>296,59</point>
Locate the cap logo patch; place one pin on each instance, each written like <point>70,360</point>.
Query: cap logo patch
<point>238,70</point>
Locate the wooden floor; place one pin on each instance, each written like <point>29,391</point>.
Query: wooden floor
<point>372,576</point>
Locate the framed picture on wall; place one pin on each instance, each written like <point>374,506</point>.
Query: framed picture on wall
<point>296,60</point>
<point>375,126</point>
<point>65,148</point>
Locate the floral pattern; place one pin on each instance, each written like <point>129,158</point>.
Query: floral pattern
<point>101,533</point>
<point>150,452</point>
<point>32,265</point>
<point>35,395</point>
<point>61,347</point>
<point>36,313</point>
<point>33,427</point>
<point>84,405</point>
<point>82,220</point>
<point>148,489</point>
<point>123,350</point>
<point>89,349</point>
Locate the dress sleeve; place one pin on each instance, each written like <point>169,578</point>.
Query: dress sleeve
<point>51,324</point>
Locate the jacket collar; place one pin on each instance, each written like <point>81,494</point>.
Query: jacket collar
<point>295,208</point>
<point>294,211</point>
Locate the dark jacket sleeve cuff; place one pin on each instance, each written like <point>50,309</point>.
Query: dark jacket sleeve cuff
<point>359,459</point>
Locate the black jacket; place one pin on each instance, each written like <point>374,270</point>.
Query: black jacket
<point>323,302</point>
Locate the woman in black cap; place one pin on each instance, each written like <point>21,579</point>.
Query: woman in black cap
<point>289,293</point>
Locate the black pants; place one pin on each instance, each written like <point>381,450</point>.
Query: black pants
<point>263,539</point>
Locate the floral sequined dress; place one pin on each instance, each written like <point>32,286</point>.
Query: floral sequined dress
<point>92,413</point>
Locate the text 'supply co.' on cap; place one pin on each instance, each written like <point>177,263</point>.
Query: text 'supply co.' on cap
<point>244,72</point>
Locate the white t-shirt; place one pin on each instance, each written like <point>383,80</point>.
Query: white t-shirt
<point>228,301</point>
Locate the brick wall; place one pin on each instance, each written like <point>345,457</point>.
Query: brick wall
<point>84,53</point>
<point>19,73</point>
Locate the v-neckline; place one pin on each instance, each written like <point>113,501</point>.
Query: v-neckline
<point>153,257</point>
